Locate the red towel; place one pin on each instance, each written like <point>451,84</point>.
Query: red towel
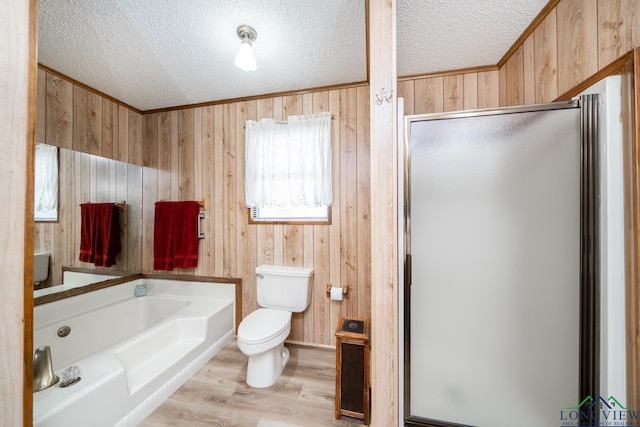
<point>87,229</point>
<point>99,233</point>
<point>175,235</point>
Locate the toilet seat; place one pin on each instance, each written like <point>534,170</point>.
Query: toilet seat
<point>263,325</point>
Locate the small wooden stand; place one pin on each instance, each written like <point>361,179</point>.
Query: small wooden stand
<point>352,369</point>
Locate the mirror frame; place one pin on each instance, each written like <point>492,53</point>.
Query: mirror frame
<point>124,276</point>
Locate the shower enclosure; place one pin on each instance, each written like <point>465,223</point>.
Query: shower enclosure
<point>501,272</point>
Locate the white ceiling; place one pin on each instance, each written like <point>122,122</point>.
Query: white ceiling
<point>155,54</point>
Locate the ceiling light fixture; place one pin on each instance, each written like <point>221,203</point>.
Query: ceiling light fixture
<point>245,59</point>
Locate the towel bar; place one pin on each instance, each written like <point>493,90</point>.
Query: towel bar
<point>201,234</point>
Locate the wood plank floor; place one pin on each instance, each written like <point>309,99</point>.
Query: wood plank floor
<point>217,394</point>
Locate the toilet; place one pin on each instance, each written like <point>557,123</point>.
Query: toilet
<point>40,268</point>
<point>281,291</point>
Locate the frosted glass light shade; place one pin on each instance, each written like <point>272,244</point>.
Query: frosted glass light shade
<point>245,59</point>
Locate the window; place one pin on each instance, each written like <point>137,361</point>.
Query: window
<point>288,170</point>
<point>46,183</point>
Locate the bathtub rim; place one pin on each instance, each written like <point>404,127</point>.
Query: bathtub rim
<point>135,276</point>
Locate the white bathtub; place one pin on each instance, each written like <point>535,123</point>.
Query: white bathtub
<point>133,352</point>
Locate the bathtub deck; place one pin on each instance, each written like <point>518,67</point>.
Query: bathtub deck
<point>218,396</point>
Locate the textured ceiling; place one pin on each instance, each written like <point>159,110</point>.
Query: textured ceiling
<point>155,54</point>
<point>441,35</point>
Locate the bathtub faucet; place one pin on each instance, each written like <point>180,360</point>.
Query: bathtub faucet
<point>43,376</point>
<point>140,290</point>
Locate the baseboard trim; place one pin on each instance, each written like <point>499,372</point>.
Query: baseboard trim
<point>312,345</point>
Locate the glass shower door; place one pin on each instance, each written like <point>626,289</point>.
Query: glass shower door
<point>494,239</point>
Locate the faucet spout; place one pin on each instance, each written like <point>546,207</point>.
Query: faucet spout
<point>140,290</point>
<point>43,375</point>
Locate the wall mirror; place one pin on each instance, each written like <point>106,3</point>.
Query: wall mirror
<point>84,178</point>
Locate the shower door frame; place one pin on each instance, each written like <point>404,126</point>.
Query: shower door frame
<point>589,351</point>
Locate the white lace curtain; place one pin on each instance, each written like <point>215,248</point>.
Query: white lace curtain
<point>46,182</point>
<point>288,163</point>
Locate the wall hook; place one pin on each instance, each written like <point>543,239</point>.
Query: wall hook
<point>382,96</point>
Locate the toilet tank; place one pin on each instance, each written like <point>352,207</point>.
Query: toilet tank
<point>40,267</point>
<point>284,288</point>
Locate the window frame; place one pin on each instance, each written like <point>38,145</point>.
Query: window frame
<point>271,221</point>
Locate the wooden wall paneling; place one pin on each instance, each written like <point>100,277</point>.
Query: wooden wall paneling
<point>44,242</point>
<point>293,238</point>
<point>470,95</point>
<point>363,208</point>
<point>453,91</point>
<point>58,112</point>
<point>502,93</point>
<point>174,159</point>
<point>183,164</point>
<point>348,199</point>
<point>110,130</point>
<point>134,225</point>
<point>322,326</point>
<point>207,152</point>
<point>219,192</point>
<point>246,240</point>
<point>198,190</point>
<point>321,253</point>
<point>528,71</point>
<point>545,73</point>
<point>429,95</point>
<point>488,89</point>
<point>618,29</point>
<point>92,185</point>
<point>119,180</point>
<point>308,249</point>
<point>83,194</point>
<point>279,113</point>
<point>51,246</point>
<point>47,235</point>
<point>129,230</point>
<point>265,233</point>
<point>103,180</point>
<point>149,189</point>
<point>135,137</point>
<point>230,198</point>
<point>41,106</point>
<point>149,140</point>
<point>186,161</point>
<point>122,150</point>
<point>69,212</point>
<point>164,156</point>
<point>577,42</point>
<point>87,121</point>
<point>335,237</point>
<point>406,91</point>
<point>514,68</point>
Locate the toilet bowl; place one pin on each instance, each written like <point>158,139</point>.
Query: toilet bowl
<point>261,335</point>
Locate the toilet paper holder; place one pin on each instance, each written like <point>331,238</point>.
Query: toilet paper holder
<point>345,291</point>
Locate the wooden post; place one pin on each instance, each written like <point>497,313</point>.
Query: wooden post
<point>18,78</point>
<point>384,213</point>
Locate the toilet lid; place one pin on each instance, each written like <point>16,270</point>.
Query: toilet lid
<point>263,324</point>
